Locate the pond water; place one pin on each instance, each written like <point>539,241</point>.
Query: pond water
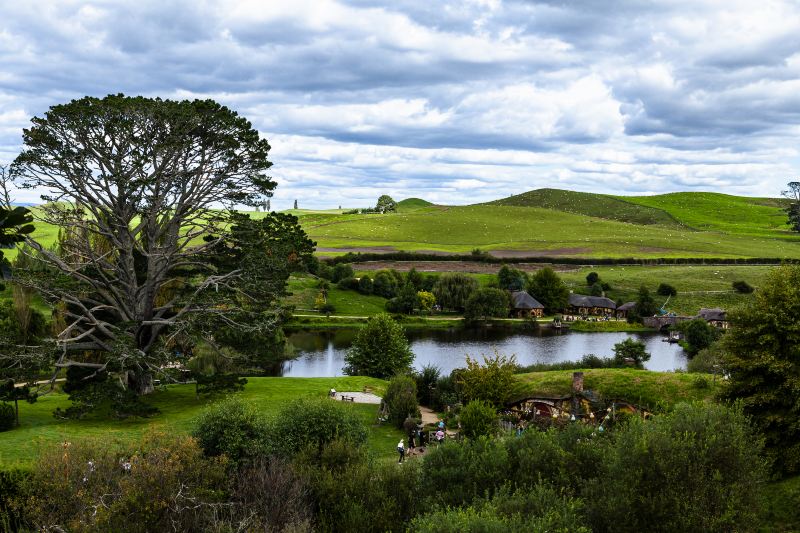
<point>321,353</point>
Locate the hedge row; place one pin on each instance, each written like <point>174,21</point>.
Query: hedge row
<point>351,257</point>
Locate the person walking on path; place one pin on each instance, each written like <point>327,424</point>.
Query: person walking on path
<point>401,449</point>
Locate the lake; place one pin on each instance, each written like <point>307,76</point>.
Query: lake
<point>321,353</point>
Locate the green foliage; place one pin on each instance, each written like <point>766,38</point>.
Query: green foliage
<point>405,302</point>
<point>401,399</point>
<point>793,209</point>
<point>492,381</point>
<point>596,289</point>
<point>309,424</point>
<point>697,335</point>
<point>587,361</point>
<point>708,360</point>
<point>384,284</point>
<point>742,287</point>
<point>665,289</point>
<point>539,509</point>
<point>7,416</point>
<point>478,418</point>
<point>232,428</point>
<point>93,391</point>
<point>631,350</point>
<point>426,380</point>
<point>348,284</point>
<point>380,349</point>
<point>415,279</point>
<point>325,271</point>
<point>342,271</point>
<point>163,484</point>
<point>549,290</point>
<point>365,285</point>
<point>762,361</point>
<point>592,278</point>
<point>453,290</point>
<point>386,204</point>
<point>511,279</point>
<point>645,305</point>
<point>426,301</point>
<point>487,303</point>
<point>696,469</point>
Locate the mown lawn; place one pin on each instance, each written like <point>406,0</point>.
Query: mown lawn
<point>643,387</point>
<point>304,292</point>
<point>179,407</point>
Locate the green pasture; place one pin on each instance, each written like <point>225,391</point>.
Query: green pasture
<point>179,407</point>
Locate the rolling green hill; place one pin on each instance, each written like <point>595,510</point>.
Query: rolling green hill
<point>555,223</point>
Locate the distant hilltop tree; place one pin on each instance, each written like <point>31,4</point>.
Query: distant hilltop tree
<point>793,211</point>
<point>295,204</point>
<point>386,204</point>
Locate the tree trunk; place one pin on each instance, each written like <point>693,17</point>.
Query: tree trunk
<point>16,410</point>
<point>140,382</point>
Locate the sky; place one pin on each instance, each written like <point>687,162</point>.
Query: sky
<point>454,102</point>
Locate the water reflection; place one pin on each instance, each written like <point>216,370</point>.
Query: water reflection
<point>321,353</point>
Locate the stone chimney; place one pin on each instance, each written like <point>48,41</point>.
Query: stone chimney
<point>577,382</point>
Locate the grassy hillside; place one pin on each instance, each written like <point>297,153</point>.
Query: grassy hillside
<point>179,407</point>
<point>412,204</point>
<point>589,204</point>
<point>644,387</point>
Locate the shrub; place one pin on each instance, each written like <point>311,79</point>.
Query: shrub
<point>365,285</point>
<point>384,284</point>
<point>455,473</point>
<point>348,284</point>
<point>342,271</point>
<point>405,302</point>
<point>490,382</point>
<point>742,287</point>
<point>325,271</point>
<point>596,290</point>
<point>401,399</point>
<point>665,289</point>
<point>592,278</point>
<point>164,483</point>
<point>695,469</point>
<point>232,428</point>
<point>328,309</point>
<point>426,301</point>
<point>426,380</point>
<point>312,423</point>
<point>380,349</point>
<point>698,335</point>
<point>453,290</point>
<point>478,418</point>
<point>7,416</point>
<point>708,361</point>
<point>630,349</point>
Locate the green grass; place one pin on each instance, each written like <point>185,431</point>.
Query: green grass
<point>693,283</point>
<point>612,325</point>
<point>179,407</point>
<point>642,387</point>
<point>347,303</point>
<point>780,506</point>
<point>412,204</point>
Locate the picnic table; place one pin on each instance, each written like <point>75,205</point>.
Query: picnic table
<point>348,398</point>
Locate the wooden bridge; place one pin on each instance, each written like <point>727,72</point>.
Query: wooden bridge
<point>663,322</point>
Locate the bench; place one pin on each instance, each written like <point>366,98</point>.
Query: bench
<point>348,398</point>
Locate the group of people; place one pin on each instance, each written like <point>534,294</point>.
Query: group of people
<point>418,437</point>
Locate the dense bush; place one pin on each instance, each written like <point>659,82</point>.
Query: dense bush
<point>365,284</point>
<point>380,349</point>
<point>405,302</point>
<point>596,290</point>
<point>540,509</point>
<point>232,428</point>
<point>697,335</point>
<point>342,271</point>
<point>511,279</point>
<point>384,284</point>
<point>665,289</point>
<point>708,360</point>
<point>426,384</point>
<point>587,361</point>
<point>348,284</point>
<point>453,290</point>
<point>592,278</point>
<point>163,484</point>
<point>490,381</point>
<point>311,423</point>
<point>696,469</point>
<point>325,271</point>
<point>478,418</point>
<point>487,303</point>
<point>7,416</point>
<point>742,287</point>
<point>401,399</point>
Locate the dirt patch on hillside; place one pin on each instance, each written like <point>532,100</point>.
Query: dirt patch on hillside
<point>556,252</point>
<point>470,267</point>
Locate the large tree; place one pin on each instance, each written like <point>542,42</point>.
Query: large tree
<point>144,191</point>
<point>762,361</point>
<point>793,210</point>
<point>549,289</point>
<point>380,349</point>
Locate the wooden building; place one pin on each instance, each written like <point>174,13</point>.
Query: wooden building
<point>524,305</point>
<point>580,304</point>
<point>715,316</point>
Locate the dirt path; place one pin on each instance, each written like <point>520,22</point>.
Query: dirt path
<point>428,416</point>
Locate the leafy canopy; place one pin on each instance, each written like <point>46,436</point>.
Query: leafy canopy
<point>380,349</point>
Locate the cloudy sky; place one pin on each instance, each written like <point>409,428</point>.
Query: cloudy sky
<point>455,102</point>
